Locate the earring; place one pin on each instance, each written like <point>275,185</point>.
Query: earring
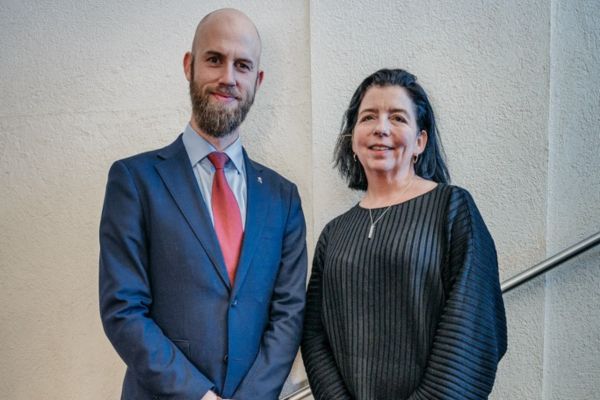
<point>354,156</point>
<point>415,158</point>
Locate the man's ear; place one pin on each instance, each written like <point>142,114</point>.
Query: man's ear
<point>188,64</point>
<point>259,78</point>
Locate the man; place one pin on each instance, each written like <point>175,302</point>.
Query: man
<point>203,255</point>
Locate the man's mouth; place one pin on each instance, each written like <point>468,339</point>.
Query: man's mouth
<point>227,97</point>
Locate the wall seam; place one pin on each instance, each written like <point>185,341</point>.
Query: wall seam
<point>312,135</point>
<point>550,130</point>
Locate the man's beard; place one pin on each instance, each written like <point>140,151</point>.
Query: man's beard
<point>218,120</point>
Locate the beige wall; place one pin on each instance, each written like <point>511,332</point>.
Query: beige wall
<point>572,325</point>
<point>486,68</point>
<point>85,83</point>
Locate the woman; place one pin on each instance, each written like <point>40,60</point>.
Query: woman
<point>404,300</point>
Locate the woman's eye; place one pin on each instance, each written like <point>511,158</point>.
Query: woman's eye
<point>366,118</point>
<point>398,118</point>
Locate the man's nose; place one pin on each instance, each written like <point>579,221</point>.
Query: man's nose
<point>227,75</point>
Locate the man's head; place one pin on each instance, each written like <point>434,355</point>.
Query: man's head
<point>223,71</point>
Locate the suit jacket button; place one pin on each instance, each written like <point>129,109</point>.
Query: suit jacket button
<point>234,303</point>
<point>225,358</point>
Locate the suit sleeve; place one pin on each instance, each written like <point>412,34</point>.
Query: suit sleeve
<point>471,335</point>
<point>323,374</point>
<point>126,296</point>
<point>281,337</point>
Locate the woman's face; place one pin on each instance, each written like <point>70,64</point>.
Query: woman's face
<point>386,136</point>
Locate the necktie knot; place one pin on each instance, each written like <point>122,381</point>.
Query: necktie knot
<point>218,159</point>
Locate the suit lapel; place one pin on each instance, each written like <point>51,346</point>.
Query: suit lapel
<point>177,174</point>
<point>257,205</point>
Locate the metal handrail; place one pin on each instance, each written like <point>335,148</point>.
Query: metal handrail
<point>509,284</point>
<point>550,263</point>
<point>299,394</point>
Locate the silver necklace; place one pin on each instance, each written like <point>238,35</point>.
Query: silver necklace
<point>372,227</point>
<point>373,223</point>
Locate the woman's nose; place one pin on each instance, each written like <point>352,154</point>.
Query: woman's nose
<point>382,128</point>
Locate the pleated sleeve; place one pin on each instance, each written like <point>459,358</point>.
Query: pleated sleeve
<point>470,338</point>
<point>323,374</point>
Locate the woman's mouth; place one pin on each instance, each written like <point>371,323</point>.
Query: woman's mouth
<point>380,147</point>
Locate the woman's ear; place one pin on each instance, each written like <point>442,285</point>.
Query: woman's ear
<point>421,141</point>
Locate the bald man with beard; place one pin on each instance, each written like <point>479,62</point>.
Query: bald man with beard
<point>202,250</point>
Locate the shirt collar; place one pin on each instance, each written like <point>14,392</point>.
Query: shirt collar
<point>198,148</point>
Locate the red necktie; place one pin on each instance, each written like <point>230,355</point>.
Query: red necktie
<point>226,215</point>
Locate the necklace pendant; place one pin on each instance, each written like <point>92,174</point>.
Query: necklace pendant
<point>371,230</point>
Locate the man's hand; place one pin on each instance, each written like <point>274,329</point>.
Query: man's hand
<point>210,395</point>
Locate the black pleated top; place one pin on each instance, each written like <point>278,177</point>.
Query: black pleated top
<point>416,312</point>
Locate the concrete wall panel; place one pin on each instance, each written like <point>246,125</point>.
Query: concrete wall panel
<point>572,327</point>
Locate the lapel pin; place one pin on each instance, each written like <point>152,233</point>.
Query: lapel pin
<point>259,179</point>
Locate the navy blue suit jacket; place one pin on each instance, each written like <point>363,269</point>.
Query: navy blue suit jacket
<point>166,303</point>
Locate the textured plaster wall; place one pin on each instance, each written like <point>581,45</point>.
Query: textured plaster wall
<point>84,84</point>
<point>485,66</point>
<point>572,340</point>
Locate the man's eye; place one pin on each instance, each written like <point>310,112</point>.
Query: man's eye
<point>244,66</point>
<point>213,59</point>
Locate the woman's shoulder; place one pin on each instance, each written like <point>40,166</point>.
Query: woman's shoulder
<point>456,194</point>
<point>342,219</point>
<point>461,205</point>
<point>442,195</point>
<point>343,222</point>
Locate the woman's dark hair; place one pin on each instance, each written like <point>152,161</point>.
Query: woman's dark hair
<point>430,164</point>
